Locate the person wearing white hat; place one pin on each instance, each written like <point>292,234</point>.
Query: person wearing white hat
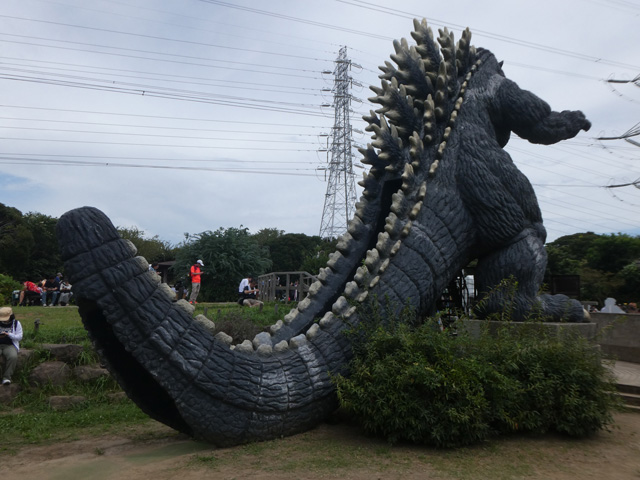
<point>10,336</point>
<point>196,271</point>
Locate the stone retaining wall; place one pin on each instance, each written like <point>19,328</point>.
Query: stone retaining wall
<point>587,330</point>
<point>619,335</point>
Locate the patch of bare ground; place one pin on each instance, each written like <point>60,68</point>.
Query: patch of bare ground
<point>327,452</point>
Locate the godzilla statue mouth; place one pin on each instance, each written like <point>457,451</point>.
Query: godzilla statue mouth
<point>440,191</point>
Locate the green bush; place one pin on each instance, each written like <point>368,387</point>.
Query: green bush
<point>7,286</point>
<point>427,386</point>
<point>244,323</point>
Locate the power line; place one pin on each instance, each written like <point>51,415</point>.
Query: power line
<point>152,135</point>
<point>190,97</point>
<point>368,5</point>
<point>161,117</point>
<point>181,62</point>
<point>60,163</point>
<point>174,14</point>
<point>74,80</point>
<point>164,77</point>
<point>58,158</point>
<point>153,37</point>
<point>100,77</point>
<point>296,19</point>
<point>155,127</point>
<point>155,145</point>
<point>635,183</point>
<point>632,132</point>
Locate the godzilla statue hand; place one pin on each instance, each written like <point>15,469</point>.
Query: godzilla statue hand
<point>440,192</point>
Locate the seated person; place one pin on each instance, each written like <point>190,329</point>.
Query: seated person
<point>181,290</point>
<point>51,289</point>
<point>10,336</point>
<point>30,291</point>
<point>65,292</point>
<point>248,291</point>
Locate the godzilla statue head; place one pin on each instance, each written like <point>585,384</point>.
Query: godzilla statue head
<point>440,192</point>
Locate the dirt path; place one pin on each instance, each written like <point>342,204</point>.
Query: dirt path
<point>331,451</point>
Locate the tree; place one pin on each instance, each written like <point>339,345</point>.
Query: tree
<point>267,235</point>
<point>229,255</point>
<point>288,251</point>
<point>44,256</point>
<point>318,259</point>
<point>611,253</point>
<point>152,249</point>
<point>630,276</point>
<point>28,245</point>
<point>16,243</point>
<point>607,264</point>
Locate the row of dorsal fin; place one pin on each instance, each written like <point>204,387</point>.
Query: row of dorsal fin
<point>418,95</point>
<point>425,83</point>
<point>419,101</point>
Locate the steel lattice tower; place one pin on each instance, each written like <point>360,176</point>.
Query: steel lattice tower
<point>340,199</point>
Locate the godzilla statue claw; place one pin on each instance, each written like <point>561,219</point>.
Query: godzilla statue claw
<point>440,192</point>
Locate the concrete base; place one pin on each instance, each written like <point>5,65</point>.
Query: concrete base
<point>619,335</point>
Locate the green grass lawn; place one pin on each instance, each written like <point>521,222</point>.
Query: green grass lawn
<point>64,325</point>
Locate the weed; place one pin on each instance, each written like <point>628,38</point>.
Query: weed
<point>208,460</point>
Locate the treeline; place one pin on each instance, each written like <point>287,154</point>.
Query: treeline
<point>608,265</point>
<point>29,251</point>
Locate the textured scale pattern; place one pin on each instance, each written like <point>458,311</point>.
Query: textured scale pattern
<point>440,192</point>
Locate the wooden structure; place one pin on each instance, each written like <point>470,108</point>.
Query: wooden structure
<point>284,286</point>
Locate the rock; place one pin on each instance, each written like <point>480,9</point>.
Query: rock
<point>64,352</point>
<point>117,397</point>
<point>206,323</point>
<point>87,373</point>
<point>8,393</point>
<point>24,355</point>
<point>65,402</point>
<point>23,358</point>
<point>56,373</point>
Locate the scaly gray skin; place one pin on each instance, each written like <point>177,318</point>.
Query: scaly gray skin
<point>440,192</point>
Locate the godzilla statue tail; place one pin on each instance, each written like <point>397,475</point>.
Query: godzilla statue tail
<point>440,192</point>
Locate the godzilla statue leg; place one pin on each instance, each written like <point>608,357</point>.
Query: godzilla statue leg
<point>524,260</point>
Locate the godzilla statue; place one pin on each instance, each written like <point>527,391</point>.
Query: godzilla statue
<point>440,192</point>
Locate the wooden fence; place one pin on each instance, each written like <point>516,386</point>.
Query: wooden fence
<point>284,286</point>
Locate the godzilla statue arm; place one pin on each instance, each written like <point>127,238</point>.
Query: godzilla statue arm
<point>532,118</point>
<point>439,193</point>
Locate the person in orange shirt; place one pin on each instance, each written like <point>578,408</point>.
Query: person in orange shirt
<point>196,271</point>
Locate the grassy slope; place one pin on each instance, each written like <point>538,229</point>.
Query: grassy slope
<point>29,419</point>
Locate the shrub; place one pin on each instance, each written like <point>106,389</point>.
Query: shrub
<point>240,327</point>
<point>243,323</point>
<point>7,286</point>
<point>424,385</point>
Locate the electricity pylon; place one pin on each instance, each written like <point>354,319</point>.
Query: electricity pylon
<point>340,199</point>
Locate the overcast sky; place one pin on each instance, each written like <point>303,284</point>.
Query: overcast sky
<point>190,115</point>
